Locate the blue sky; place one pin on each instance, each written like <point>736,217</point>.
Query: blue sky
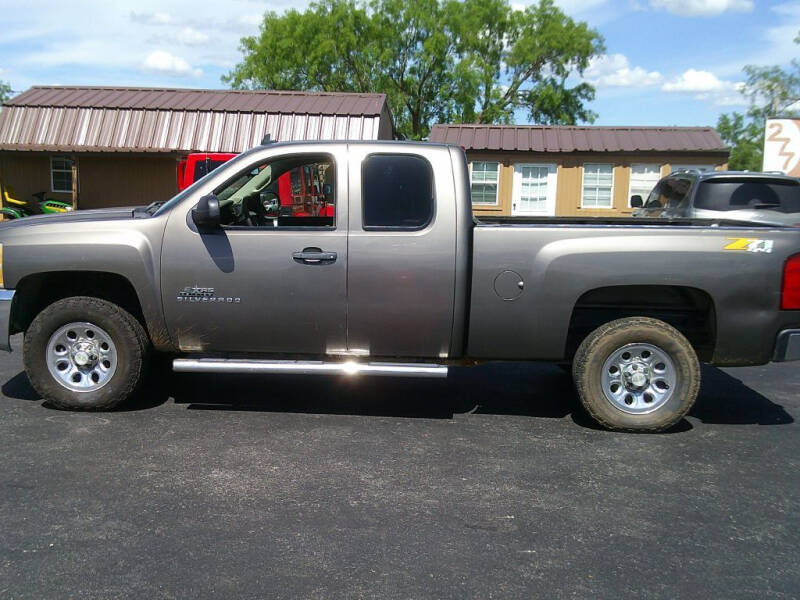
<point>668,62</point>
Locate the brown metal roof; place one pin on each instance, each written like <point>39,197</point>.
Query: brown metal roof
<point>320,103</point>
<point>92,119</point>
<point>558,138</point>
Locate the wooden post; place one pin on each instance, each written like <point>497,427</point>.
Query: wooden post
<point>75,183</point>
<point>3,186</point>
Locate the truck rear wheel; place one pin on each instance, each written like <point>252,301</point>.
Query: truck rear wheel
<point>636,374</point>
<point>83,353</point>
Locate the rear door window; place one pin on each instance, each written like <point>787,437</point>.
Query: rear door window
<point>742,194</point>
<point>397,192</point>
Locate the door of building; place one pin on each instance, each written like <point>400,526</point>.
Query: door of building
<point>534,190</point>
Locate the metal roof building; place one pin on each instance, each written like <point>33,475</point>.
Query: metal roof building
<point>123,144</point>
<point>97,119</point>
<point>532,170</point>
<point>543,138</point>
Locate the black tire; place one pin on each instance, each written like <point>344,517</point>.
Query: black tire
<point>129,338</point>
<point>587,371</point>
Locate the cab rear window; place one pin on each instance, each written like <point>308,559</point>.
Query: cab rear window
<point>397,192</point>
<point>741,194</point>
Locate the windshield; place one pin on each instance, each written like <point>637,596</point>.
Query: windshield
<point>672,193</point>
<point>747,193</point>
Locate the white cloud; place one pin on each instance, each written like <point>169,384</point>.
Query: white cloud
<point>780,38</point>
<point>788,9</point>
<point>573,7</point>
<point>86,42</point>
<point>192,37</point>
<point>160,61</point>
<point>724,100</point>
<point>702,8</point>
<point>693,80</point>
<point>154,18</point>
<point>773,45</point>
<point>250,19</point>
<point>705,86</point>
<point>615,70</point>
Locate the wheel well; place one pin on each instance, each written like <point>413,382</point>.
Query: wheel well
<point>36,292</point>
<point>687,309</point>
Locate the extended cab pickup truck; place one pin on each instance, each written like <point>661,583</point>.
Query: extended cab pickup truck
<point>388,274</point>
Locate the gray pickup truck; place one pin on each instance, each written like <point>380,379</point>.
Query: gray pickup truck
<point>364,259</point>
<point>769,198</point>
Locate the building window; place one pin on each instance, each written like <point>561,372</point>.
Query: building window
<point>643,179</point>
<point>61,174</point>
<point>483,179</point>
<point>598,185</point>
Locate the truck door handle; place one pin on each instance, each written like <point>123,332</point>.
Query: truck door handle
<point>314,256</point>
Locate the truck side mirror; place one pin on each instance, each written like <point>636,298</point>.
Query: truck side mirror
<point>636,201</point>
<point>206,214</point>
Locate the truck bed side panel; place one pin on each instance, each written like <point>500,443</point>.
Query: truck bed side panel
<point>559,263</point>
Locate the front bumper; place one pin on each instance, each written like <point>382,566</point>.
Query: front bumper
<point>6,297</point>
<point>787,346</point>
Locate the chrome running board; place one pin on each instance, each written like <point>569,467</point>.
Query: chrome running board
<point>306,367</point>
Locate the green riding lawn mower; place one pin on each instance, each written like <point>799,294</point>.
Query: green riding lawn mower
<point>14,208</point>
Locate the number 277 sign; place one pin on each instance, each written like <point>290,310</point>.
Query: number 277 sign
<point>782,146</point>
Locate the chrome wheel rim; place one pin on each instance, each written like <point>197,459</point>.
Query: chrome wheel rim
<point>81,357</point>
<point>638,378</point>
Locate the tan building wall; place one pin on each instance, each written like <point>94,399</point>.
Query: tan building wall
<point>103,180</point>
<point>112,181</point>
<point>28,174</point>
<point>569,173</point>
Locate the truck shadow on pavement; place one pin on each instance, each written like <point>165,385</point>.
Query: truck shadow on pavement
<point>521,389</point>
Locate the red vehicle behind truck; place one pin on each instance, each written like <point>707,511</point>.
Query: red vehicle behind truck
<point>300,192</point>
<point>198,165</point>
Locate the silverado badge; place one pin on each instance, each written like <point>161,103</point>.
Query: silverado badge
<point>194,293</point>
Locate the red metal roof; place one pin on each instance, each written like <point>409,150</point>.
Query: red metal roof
<point>561,138</point>
<point>91,119</point>
<point>319,103</point>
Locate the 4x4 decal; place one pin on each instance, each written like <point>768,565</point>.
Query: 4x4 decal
<point>749,245</point>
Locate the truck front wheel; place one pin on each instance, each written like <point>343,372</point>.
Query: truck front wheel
<point>83,353</point>
<point>636,374</point>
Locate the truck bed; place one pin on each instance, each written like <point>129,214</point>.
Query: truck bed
<point>489,221</point>
<point>533,278</point>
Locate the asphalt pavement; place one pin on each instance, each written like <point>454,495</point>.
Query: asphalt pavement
<point>491,484</point>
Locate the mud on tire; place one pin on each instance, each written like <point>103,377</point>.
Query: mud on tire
<point>619,401</point>
<point>80,352</point>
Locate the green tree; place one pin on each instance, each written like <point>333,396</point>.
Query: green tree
<point>745,136</point>
<point>772,91</point>
<point>5,92</point>
<point>437,60</point>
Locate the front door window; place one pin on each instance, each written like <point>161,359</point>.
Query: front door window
<point>292,191</point>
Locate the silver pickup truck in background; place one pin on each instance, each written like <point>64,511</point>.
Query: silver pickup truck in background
<point>770,198</point>
<point>376,267</point>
